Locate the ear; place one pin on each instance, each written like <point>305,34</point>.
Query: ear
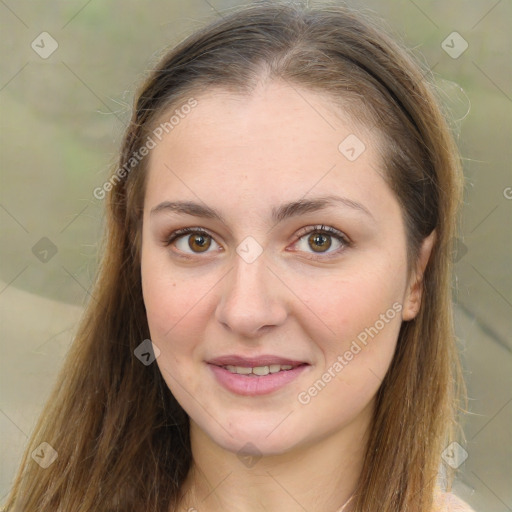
<point>412,301</point>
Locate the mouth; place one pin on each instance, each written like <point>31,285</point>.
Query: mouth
<point>255,376</point>
<point>259,371</point>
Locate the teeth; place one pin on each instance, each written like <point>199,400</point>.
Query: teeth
<point>261,370</point>
<point>241,370</point>
<point>258,370</point>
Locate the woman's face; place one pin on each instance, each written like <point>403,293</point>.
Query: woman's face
<point>277,316</point>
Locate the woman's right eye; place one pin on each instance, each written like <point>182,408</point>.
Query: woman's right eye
<point>192,241</point>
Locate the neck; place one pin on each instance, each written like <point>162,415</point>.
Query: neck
<point>318,477</point>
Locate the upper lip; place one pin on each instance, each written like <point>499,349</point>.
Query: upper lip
<point>252,362</point>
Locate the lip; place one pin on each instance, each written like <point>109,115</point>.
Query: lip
<point>251,385</point>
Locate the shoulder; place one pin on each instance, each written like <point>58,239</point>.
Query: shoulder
<point>448,502</point>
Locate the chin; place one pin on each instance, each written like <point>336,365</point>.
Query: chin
<point>252,437</point>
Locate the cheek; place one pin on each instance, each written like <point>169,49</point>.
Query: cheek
<point>347,304</point>
<point>165,312</point>
<point>178,310</point>
<point>169,299</point>
<point>173,328</point>
<point>356,359</point>
<point>360,317</point>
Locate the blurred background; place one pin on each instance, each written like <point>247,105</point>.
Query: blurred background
<point>68,74</point>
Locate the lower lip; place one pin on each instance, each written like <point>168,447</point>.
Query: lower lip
<point>255,385</point>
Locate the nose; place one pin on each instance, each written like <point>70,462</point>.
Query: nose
<point>252,299</point>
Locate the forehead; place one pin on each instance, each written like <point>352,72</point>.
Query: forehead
<point>279,140</point>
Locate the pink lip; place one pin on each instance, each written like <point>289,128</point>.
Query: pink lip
<point>252,385</point>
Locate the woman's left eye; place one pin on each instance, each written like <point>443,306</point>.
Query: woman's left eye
<point>322,240</point>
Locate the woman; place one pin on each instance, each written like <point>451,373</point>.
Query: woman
<point>280,228</point>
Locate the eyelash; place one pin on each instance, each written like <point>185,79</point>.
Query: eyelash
<point>320,229</point>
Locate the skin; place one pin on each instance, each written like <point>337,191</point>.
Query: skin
<point>244,156</point>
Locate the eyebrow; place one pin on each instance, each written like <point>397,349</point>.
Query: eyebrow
<point>285,211</point>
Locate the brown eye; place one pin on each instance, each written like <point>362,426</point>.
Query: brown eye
<point>192,241</point>
<point>199,242</point>
<point>319,242</point>
<point>322,242</point>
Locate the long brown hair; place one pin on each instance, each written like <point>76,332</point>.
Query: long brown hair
<point>121,437</point>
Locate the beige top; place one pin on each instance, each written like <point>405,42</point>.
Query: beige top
<point>447,502</point>
<point>443,502</point>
